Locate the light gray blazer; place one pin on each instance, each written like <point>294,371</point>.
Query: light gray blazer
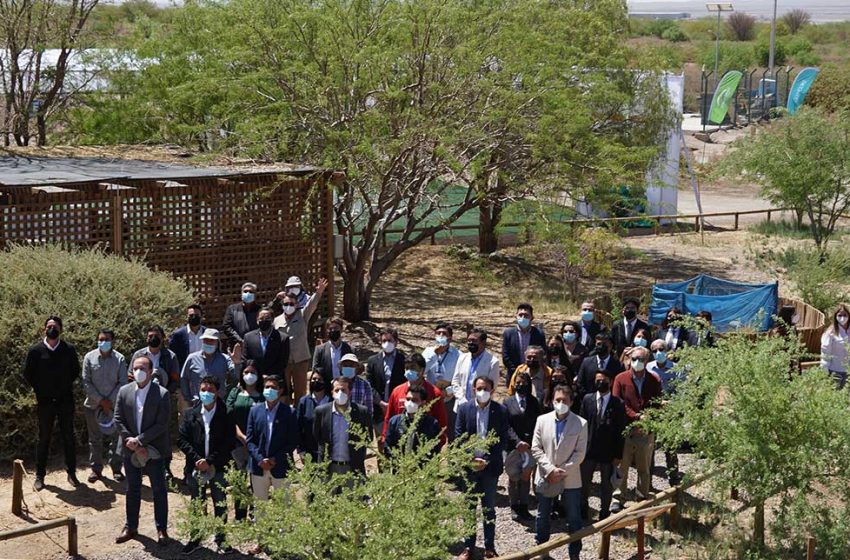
<point>155,418</point>
<point>567,455</point>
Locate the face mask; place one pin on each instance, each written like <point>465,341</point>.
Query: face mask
<point>561,408</point>
<point>206,397</point>
<point>270,394</point>
<point>629,314</point>
<point>411,375</point>
<point>523,389</point>
<point>52,332</point>
<point>334,335</point>
<point>569,337</point>
<point>209,348</point>
<point>248,297</point>
<point>482,396</point>
<point>661,357</point>
<point>194,320</point>
<point>348,371</point>
<point>387,346</point>
<point>553,351</point>
<point>411,407</point>
<point>155,341</point>
<point>603,385</point>
<point>295,290</point>
<point>587,316</point>
<point>472,347</point>
<point>523,322</point>
<point>341,398</point>
<point>602,350</point>
<point>104,345</point>
<point>558,381</point>
<point>288,309</point>
<point>140,375</point>
<point>532,364</point>
<point>316,386</point>
<point>638,365</point>
<point>842,319</point>
<point>449,392</point>
<point>265,324</point>
<point>640,342</point>
<point>249,378</point>
<point>441,340</point>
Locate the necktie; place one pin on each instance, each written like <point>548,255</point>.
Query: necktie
<point>599,408</point>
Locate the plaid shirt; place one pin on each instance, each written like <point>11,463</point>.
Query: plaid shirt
<point>362,393</point>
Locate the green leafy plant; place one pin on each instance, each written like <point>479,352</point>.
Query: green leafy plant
<point>761,51</point>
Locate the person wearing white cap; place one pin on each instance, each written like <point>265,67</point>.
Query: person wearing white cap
<point>361,390</point>
<point>207,361</point>
<point>296,288</point>
<point>295,323</point>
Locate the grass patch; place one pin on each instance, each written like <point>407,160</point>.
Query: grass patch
<point>782,228</point>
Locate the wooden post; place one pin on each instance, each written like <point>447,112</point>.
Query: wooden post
<point>605,546</point>
<point>736,220</point>
<point>810,548</point>
<point>117,219</point>
<point>641,536</point>
<point>676,512</point>
<point>72,537</point>
<point>17,487</point>
<point>768,216</point>
<point>696,224</point>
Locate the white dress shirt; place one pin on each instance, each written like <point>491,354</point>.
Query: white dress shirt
<point>141,395</point>
<point>602,402</point>
<point>194,339</point>
<point>207,415</point>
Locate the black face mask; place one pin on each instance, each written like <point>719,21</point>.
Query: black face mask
<point>316,386</point>
<point>52,332</point>
<point>558,381</point>
<point>532,364</point>
<point>602,385</point>
<point>194,320</point>
<point>472,347</point>
<point>265,324</point>
<point>523,390</point>
<point>602,350</point>
<point>334,335</point>
<point>553,350</point>
<point>155,341</point>
<point>629,314</point>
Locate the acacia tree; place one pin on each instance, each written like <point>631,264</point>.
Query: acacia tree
<point>31,84</point>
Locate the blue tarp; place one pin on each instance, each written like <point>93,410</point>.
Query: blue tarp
<point>733,305</point>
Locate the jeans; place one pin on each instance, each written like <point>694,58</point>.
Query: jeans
<point>156,474</point>
<point>216,487</point>
<point>571,498</point>
<point>48,413</point>
<point>485,484</point>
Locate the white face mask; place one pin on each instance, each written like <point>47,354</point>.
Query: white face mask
<point>638,365</point>
<point>289,309</point>
<point>341,398</point>
<point>388,346</point>
<point>296,291</point>
<point>482,396</point>
<point>140,375</point>
<point>561,408</point>
<point>249,378</point>
<point>411,407</point>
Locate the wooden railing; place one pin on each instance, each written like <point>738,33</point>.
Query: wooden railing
<point>68,522</point>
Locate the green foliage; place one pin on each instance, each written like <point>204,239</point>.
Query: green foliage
<point>674,34</point>
<point>732,56</point>
<point>782,228</point>
<point>702,28</point>
<point>799,45</point>
<point>761,51</point>
<point>410,505</point>
<point>829,91</point>
<point>89,290</point>
<point>761,428</point>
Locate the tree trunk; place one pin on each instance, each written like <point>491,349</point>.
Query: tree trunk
<point>42,130</point>
<point>355,299</point>
<point>758,524</point>
<point>489,215</point>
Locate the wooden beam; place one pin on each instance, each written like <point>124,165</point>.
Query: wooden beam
<point>17,487</point>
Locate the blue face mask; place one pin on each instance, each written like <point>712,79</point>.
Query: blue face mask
<point>441,340</point>
<point>104,345</point>
<point>523,322</point>
<point>411,375</point>
<point>348,371</point>
<point>587,316</point>
<point>661,357</point>
<point>569,337</point>
<point>270,394</point>
<point>206,397</point>
<point>640,342</point>
<point>247,297</point>
<point>209,348</point>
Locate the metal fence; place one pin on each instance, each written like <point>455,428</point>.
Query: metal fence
<point>756,95</point>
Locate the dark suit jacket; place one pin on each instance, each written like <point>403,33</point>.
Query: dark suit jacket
<point>178,343</point>
<point>222,436</point>
<point>427,427</point>
<point>276,358</point>
<point>593,328</point>
<point>619,337</point>
<point>522,423</point>
<point>375,372</point>
<point>323,363</point>
<point>498,423</point>
<point>574,360</point>
<point>155,418</point>
<point>283,442</point>
<point>586,379</point>
<point>511,354</point>
<point>604,436</point>
<point>684,336</point>
<point>323,432</point>
<point>237,321</point>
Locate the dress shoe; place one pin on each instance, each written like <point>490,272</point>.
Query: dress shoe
<point>465,555</point>
<point>117,475</point>
<point>94,476</point>
<point>524,514</point>
<point>191,546</point>
<point>72,480</point>
<point>490,553</point>
<point>38,484</point>
<point>161,537</point>
<point>126,535</point>
<point>616,507</point>
<point>515,515</point>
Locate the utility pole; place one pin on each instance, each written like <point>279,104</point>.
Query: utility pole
<point>719,8</point>
<point>772,43</point>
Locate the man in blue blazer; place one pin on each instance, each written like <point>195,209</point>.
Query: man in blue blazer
<point>272,437</point>
<point>187,339</point>
<point>478,418</point>
<point>517,339</point>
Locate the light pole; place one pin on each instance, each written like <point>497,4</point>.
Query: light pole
<point>719,8</point>
<point>772,43</point>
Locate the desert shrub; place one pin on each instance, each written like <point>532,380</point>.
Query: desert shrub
<point>89,290</point>
<point>741,26</point>
<point>820,282</point>
<point>702,28</point>
<point>674,34</point>
<point>807,59</point>
<point>657,27</point>
<point>762,51</point>
<point>732,56</point>
<point>796,19</point>
<point>799,45</point>
<point>829,90</point>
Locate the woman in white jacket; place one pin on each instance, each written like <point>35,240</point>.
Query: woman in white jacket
<point>834,344</point>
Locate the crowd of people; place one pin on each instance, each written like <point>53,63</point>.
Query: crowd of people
<point>570,409</point>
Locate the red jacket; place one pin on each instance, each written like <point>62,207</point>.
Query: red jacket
<point>625,389</point>
<point>396,406</point>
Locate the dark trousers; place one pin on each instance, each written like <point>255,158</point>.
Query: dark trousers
<point>588,467</point>
<point>571,498</point>
<point>156,474</point>
<point>48,413</point>
<point>486,485</point>
<point>216,487</point>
